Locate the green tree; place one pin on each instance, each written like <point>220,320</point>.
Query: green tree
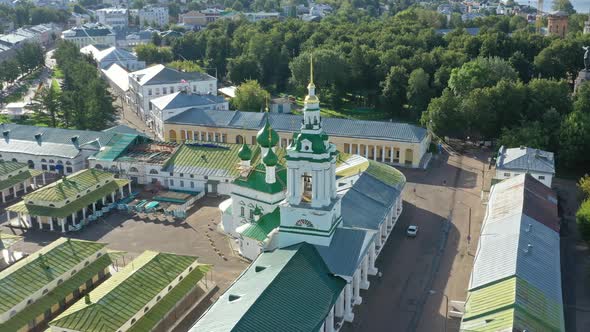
<point>544,95</point>
<point>564,6</point>
<point>29,56</point>
<point>185,65</point>
<point>419,92</point>
<point>151,53</point>
<point>46,106</point>
<point>561,59</point>
<point>575,140</point>
<point>583,220</point>
<point>584,186</point>
<point>394,89</point>
<point>250,97</point>
<point>522,66</point>
<point>243,68</point>
<point>582,99</point>
<point>479,73</point>
<point>529,134</point>
<point>443,116</point>
<point>156,39</point>
<point>9,70</point>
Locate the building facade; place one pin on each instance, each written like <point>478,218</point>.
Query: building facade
<point>159,80</point>
<point>152,15</point>
<point>114,17</point>
<point>16,177</point>
<point>523,160</point>
<point>390,142</point>
<point>170,105</point>
<point>31,296</point>
<point>90,33</point>
<point>557,23</point>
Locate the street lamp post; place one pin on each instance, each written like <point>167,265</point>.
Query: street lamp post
<point>433,292</point>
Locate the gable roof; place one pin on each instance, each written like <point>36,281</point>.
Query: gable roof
<point>368,201</point>
<point>160,74</point>
<point>56,142</point>
<point>525,159</point>
<point>71,186</point>
<point>210,159</point>
<point>259,230</point>
<point>290,287</point>
<point>119,298</point>
<point>181,100</point>
<point>24,278</point>
<point>7,167</point>
<point>292,123</point>
<point>514,244</point>
<point>512,304</point>
<point>346,250</point>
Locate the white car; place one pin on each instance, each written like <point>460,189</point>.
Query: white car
<point>412,231</point>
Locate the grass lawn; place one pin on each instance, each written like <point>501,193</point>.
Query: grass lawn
<point>348,111</point>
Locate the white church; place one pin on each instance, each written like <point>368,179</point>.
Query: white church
<point>313,221</point>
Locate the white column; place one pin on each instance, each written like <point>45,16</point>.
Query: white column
<point>350,148</point>
<point>8,217</point>
<point>113,197</point>
<point>29,220</point>
<point>74,219</point>
<point>129,185</point>
<point>35,181</point>
<point>374,152</point>
<point>366,151</point>
<point>3,198</point>
<point>339,308</point>
<point>348,314</point>
<point>356,287</point>
<point>330,321</point>
<point>121,192</point>
<point>93,207</point>
<point>25,185</point>
<point>104,199</point>
<point>372,256</point>
<point>207,136</point>
<point>382,154</point>
<point>39,222</point>
<point>50,219</point>
<point>62,221</point>
<point>365,273</point>
<point>84,213</point>
<point>391,154</point>
<point>43,177</point>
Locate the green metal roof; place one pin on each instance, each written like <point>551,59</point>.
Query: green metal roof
<point>116,146</point>
<point>259,230</point>
<point>126,293</point>
<point>19,178</point>
<point>291,288</point>
<point>57,294</point>
<point>7,167</point>
<point>256,180</point>
<point>67,210</point>
<point>153,317</point>
<point>73,185</point>
<point>512,304</point>
<point>213,159</point>
<point>22,279</point>
<point>8,240</point>
<point>385,173</point>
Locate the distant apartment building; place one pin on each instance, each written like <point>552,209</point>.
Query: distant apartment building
<point>153,15</point>
<point>159,80</point>
<point>90,33</point>
<point>114,17</point>
<point>255,17</point>
<point>138,38</point>
<point>194,18</point>
<point>43,34</point>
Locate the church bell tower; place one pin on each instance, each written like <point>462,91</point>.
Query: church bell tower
<point>311,210</point>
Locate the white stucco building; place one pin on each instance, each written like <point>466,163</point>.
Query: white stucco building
<point>114,17</point>
<point>522,160</point>
<point>151,15</point>
<point>90,33</point>
<point>304,228</point>
<point>159,80</point>
<point>105,57</point>
<point>182,101</point>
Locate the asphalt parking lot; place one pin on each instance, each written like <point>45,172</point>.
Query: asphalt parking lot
<point>418,274</point>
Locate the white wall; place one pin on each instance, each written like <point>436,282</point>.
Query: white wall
<point>545,178</point>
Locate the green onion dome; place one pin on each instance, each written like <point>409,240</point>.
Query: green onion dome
<point>270,158</point>
<point>245,153</point>
<point>267,137</point>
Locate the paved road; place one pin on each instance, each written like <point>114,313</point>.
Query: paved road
<point>438,259</point>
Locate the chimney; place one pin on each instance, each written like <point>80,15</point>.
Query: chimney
<point>75,139</point>
<point>87,299</point>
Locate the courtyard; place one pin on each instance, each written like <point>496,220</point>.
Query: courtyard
<point>195,236</point>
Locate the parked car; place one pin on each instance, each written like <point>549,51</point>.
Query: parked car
<point>412,231</point>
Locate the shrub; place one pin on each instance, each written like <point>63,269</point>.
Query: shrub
<point>583,220</point>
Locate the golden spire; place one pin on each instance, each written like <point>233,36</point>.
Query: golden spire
<point>311,70</point>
